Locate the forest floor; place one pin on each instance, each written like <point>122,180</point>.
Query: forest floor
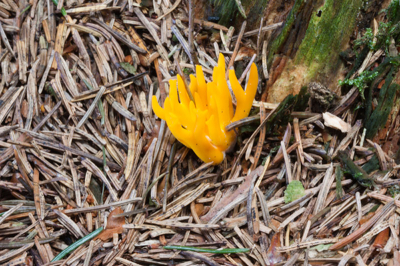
<point>90,176</point>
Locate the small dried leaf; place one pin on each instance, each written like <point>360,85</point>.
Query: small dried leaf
<point>114,225</point>
<point>115,222</point>
<point>335,122</point>
<point>199,209</point>
<point>273,255</point>
<point>128,67</point>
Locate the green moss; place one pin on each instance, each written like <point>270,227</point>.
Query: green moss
<point>327,34</point>
<point>294,191</point>
<point>386,32</point>
<point>360,57</point>
<point>361,81</point>
<point>367,39</point>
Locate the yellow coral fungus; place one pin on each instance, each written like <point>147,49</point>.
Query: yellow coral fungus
<point>200,125</point>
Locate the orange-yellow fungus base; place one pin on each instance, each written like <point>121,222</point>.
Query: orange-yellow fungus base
<point>200,125</point>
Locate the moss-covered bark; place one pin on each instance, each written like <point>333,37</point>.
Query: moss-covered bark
<point>314,35</point>
<point>356,172</point>
<point>380,115</point>
<point>327,34</point>
<point>293,31</point>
